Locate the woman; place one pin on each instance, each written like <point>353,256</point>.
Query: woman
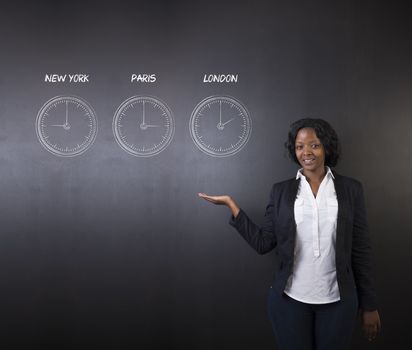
<point>317,222</point>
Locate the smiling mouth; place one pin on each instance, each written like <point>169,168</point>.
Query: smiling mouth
<point>308,161</point>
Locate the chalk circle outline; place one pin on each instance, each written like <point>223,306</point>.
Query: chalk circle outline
<point>72,99</point>
<point>169,117</point>
<point>227,99</point>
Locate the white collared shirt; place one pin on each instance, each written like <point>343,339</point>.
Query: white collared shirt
<point>313,279</point>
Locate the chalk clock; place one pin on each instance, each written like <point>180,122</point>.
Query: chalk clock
<point>66,126</point>
<point>220,126</point>
<point>143,126</point>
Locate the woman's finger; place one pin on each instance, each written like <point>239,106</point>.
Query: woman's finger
<point>212,199</point>
<point>205,196</point>
<point>371,331</point>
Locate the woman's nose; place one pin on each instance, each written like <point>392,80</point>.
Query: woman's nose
<point>307,150</point>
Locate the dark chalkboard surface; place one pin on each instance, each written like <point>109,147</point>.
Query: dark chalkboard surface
<point>108,250</point>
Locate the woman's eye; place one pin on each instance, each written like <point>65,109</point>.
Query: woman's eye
<point>316,145</point>
<point>298,147</point>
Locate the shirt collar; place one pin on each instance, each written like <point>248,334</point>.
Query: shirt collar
<point>299,175</point>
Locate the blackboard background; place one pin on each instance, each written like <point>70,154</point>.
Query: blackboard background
<point>110,251</point>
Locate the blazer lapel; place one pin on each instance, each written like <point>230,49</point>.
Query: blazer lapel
<point>342,203</point>
<point>293,191</point>
<point>340,195</point>
<point>291,196</point>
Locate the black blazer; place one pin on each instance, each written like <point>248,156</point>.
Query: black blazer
<point>353,262</point>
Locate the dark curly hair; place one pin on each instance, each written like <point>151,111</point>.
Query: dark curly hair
<point>324,132</point>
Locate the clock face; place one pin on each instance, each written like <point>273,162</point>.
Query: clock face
<point>66,126</point>
<point>143,126</point>
<point>220,126</point>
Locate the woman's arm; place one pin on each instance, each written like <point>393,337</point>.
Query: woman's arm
<point>261,238</point>
<point>361,265</point>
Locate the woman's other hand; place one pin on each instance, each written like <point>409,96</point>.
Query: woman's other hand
<point>371,324</point>
<point>222,200</point>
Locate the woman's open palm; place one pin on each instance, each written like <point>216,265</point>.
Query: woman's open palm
<point>220,200</point>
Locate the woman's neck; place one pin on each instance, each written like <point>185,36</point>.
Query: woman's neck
<point>315,176</point>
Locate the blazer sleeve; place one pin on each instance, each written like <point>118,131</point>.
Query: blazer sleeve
<point>361,255</point>
<point>261,238</point>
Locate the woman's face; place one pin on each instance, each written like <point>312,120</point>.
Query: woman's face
<point>309,150</point>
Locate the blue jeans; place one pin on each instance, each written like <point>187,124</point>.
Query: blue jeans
<point>301,326</point>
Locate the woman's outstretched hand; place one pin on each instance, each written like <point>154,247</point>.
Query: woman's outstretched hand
<point>222,200</point>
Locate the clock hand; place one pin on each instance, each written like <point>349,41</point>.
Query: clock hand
<point>67,114</point>
<point>64,126</point>
<point>227,122</point>
<point>220,112</point>
<point>143,122</point>
<point>145,126</point>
